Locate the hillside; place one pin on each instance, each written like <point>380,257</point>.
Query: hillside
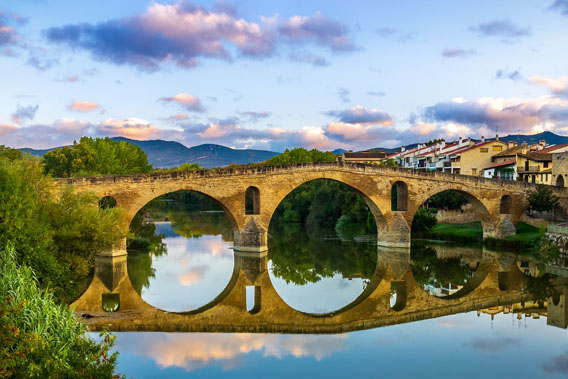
<point>168,154</point>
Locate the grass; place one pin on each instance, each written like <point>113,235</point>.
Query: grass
<point>526,238</point>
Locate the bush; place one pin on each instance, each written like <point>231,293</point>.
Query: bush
<point>424,221</point>
<point>542,199</point>
<point>41,339</point>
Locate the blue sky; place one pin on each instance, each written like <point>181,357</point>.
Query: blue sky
<point>272,75</point>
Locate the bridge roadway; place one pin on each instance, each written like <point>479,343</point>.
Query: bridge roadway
<point>497,281</point>
<point>499,203</point>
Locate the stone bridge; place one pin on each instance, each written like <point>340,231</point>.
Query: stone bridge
<point>497,281</point>
<point>250,195</point>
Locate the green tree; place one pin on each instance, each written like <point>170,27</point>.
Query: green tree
<point>542,199</point>
<point>389,162</point>
<point>99,156</point>
<point>56,234</point>
<point>9,153</point>
<point>424,221</point>
<point>301,155</point>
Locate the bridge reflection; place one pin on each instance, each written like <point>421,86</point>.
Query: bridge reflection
<point>396,293</point>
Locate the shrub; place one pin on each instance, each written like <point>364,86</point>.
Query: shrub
<point>41,339</point>
<point>424,221</point>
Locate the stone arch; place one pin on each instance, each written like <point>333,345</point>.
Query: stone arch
<point>399,196</point>
<point>398,289</point>
<point>560,181</point>
<point>107,202</point>
<point>373,207</point>
<point>252,201</point>
<point>477,205</point>
<point>505,205</point>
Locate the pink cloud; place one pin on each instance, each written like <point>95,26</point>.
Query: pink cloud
<point>558,87</point>
<point>134,128</point>
<point>83,106</point>
<point>188,101</point>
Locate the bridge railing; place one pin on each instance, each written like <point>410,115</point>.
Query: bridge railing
<point>261,170</point>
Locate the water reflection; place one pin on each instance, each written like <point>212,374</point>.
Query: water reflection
<point>488,309</point>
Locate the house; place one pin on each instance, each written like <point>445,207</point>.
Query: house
<point>505,170</point>
<point>473,159</point>
<point>362,157</point>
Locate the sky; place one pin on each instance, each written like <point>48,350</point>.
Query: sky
<point>275,75</point>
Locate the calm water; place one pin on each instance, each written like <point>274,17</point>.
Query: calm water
<point>321,274</point>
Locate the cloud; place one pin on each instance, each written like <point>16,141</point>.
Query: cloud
<point>493,345</point>
<point>362,115</point>
<point>255,116</point>
<point>556,365</point>
<point>305,57</point>
<point>318,29</point>
<point>9,37</point>
<point>343,94</point>
<point>376,93</point>
<point>507,74</point>
<point>188,101</point>
<point>70,79</point>
<point>61,132</point>
<point>41,64</point>
<point>558,87</point>
<point>134,128</point>
<point>505,29</point>
<point>23,114</point>
<point>386,32</point>
<point>195,275</point>
<point>506,114</point>
<point>177,117</point>
<point>561,6</point>
<point>83,106</point>
<point>183,32</point>
<point>458,52</point>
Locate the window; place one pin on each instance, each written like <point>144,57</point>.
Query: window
<point>473,171</point>
<point>545,164</point>
<point>497,147</point>
<point>484,150</point>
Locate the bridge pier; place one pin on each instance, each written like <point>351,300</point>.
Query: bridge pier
<point>504,227</point>
<point>394,231</point>
<point>117,250</point>
<point>252,238</point>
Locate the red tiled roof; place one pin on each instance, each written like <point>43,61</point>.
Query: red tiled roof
<point>552,148</point>
<point>504,163</point>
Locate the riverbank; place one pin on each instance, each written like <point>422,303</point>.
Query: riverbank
<point>527,236</point>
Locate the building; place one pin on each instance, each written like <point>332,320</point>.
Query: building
<point>473,159</point>
<point>559,169</point>
<point>505,170</point>
<point>362,157</point>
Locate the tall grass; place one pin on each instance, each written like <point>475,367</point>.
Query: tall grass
<point>40,338</point>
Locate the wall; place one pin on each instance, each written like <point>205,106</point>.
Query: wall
<point>474,158</point>
<point>466,214</point>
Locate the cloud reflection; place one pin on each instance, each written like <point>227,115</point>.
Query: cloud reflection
<point>194,351</point>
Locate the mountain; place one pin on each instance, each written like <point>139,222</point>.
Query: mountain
<point>531,139</point>
<point>168,154</point>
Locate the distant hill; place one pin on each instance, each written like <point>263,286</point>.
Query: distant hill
<point>168,154</point>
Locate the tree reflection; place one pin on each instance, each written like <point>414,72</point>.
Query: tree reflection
<point>299,259</point>
<point>429,270</point>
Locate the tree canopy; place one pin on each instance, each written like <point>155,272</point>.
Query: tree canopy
<point>542,199</point>
<point>99,156</point>
<point>301,155</point>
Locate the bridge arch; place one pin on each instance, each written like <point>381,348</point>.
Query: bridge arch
<point>399,196</point>
<point>252,201</point>
<point>107,202</point>
<point>478,206</point>
<point>506,205</point>
<point>353,185</point>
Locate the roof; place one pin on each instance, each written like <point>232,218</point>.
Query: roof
<point>365,155</point>
<point>552,148</point>
<point>510,152</point>
<point>501,164</point>
<point>477,145</point>
<point>541,157</point>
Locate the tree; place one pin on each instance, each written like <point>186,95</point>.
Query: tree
<point>99,156</point>
<point>389,162</point>
<point>9,153</point>
<point>424,220</point>
<point>542,199</point>
<point>301,155</point>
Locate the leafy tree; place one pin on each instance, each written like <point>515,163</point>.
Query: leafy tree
<point>57,236</point>
<point>300,155</point>
<point>389,162</point>
<point>99,156</point>
<point>434,141</point>
<point>424,221</point>
<point>542,199</point>
<point>9,153</point>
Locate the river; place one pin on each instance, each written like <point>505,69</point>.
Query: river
<point>341,307</point>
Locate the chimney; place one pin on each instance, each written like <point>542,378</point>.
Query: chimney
<point>524,147</point>
<point>496,137</point>
<point>461,141</point>
<point>482,138</point>
<point>350,151</point>
<point>402,149</point>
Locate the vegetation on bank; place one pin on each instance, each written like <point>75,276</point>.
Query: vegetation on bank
<point>40,338</point>
<point>53,235</point>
